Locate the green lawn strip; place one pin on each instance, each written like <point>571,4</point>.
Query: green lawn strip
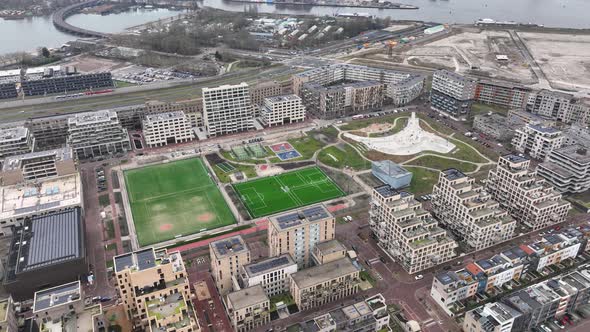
<point>347,156</point>
<point>172,199</point>
<point>422,180</point>
<point>306,146</point>
<point>110,228</point>
<point>366,276</point>
<point>230,156</point>
<point>443,163</point>
<point>249,171</point>
<point>286,298</point>
<point>478,108</point>
<point>123,84</point>
<point>359,124</point>
<point>104,200</point>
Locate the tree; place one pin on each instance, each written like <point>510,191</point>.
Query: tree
<point>45,52</point>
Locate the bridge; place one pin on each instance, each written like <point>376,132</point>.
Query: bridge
<point>59,20</point>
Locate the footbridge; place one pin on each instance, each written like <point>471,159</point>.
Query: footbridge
<point>59,20</point>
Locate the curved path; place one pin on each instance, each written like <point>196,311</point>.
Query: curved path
<point>59,20</point>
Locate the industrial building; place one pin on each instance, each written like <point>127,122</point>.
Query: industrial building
<point>95,134</point>
<point>406,231</point>
<point>271,273</point>
<point>37,198</point>
<point>282,110</point>
<point>465,208</point>
<point>248,308</point>
<point>537,141</point>
<point>227,109</point>
<point>46,250</point>
<point>228,256</point>
<point>161,129</point>
<point>343,89</point>
<point>452,93</point>
<point>37,165</point>
<point>298,232</point>
<point>528,198</point>
<point>319,285</point>
<point>567,169</point>
<point>391,173</point>
<point>15,140</point>
<point>154,289</point>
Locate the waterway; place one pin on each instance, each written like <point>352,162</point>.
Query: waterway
<point>31,33</point>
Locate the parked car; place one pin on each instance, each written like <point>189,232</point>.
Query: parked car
<point>419,277</point>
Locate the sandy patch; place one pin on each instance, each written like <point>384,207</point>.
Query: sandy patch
<point>205,217</point>
<point>166,227</point>
<point>377,127</point>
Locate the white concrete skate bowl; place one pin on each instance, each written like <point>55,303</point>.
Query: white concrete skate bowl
<point>409,141</point>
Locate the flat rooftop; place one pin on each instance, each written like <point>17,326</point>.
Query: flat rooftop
<point>46,195</point>
<point>92,117</point>
<point>229,246</point>
<point>322,273</point>
<point>165,116</point>
<point>57,296</point>
<point>247,297</point>
<point>391,168</point>
<point>269,264</point>
<point>13,134</point>
<point>283,98</point>
<point>329,247</point>
<point>575,152</point>
<point>148,258</point>
<point>515,158</point>
<point>297,218</point>
<point>46,240</point>
<point>453,174</point>
<point>15,162</point>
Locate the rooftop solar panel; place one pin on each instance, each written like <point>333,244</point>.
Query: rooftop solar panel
<point>268,264</point>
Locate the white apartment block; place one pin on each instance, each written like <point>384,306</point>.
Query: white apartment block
<point>567,169</point>
<point>37,165</point>
<point>193,109</point>
<point>454,85</point>
<point>281,110</point>
<point>98,133</point>
<point>227,109</point>
<point>528,198</point>
<point>166,128</point>
<point>537,141</point>
<point>15,141</point>
<point>271,273</point>
<point>469,211</point>
<point>407,232</point>
<point>559,106</point>
<point>553,249</point>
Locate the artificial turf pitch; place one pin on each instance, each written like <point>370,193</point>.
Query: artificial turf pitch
<point>287,191</point>
<point>176,198</point>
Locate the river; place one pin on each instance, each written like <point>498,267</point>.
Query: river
<point>29,34</point>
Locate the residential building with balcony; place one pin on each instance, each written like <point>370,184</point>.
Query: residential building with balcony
<point>227,109</point>
<point>298,232</point>
<point>15,141</point>
<point>499,271</point>
<point>282,110</point>
<point>537,141</point>
<point>449,288</point>
<point>192,109</point>
<point>322,284</point>
<point>491,317</point>
<point>567,169</point>
<point>328,251</point>
<point>96,134</point>
<point>161,129</point>
<point>495,126</point>
<point>228,256</point>
<point>37,165</point>
<point>507,95</point>
<point>552,249</point>
<point>452,93</point>
<point>406,231</point>
<point>271,273</point>
<point>469,211</point>
<point>528,198</point>
<point>154,289</point>
<point>248,308</point>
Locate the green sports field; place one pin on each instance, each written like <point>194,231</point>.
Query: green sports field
<point>287,191</point>
<point>176,198</point>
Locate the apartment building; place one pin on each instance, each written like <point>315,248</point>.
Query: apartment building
<point>96,134</point>
<point>364,316</point>
<point>328,251</point>
<point>522,117</point>
<point>567,169</point>
<point>343,89</point>
<point>559,106</point>
<point>193,109</point>
<point>491,317</point>
<point>452,94</point>
<point>50,132</point>
<point>161,129</point>
<point>66,84</point>
<point>154,289</point>
<point>271,273</point>
<point>15,140</point>
<point>499,271</point>
<point>537,141</point>
<point>406,231</point>
<point>227,109</point>
<point>8,320</point>
<point>450,287</point>
<point>469,211</point>
<point>248,308</point>
<point>298,232</point>
<point>62,308</point>
<point>507,95</point>
<point>282,110</point>
<point>228,256</point>
<point>37,165</point>
<point>551,250</point>
<point>263,90</point>
<point>528,198</point>
<point>494,126</point>
<point>322,284</point>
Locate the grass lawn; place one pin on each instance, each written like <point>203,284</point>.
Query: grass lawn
<point>306,146</point>
<point>358,124</point>
<point>123,84</point>
<point>230,156</point>
<point>422,180</point>
<point>346,156</point>
<point>249,171</point>
<point>176,198</point>
<point>478,108</point>
<point>399,125</point>
<point>442,163</point>
<point>104,200</point>
<point>286,191</point>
